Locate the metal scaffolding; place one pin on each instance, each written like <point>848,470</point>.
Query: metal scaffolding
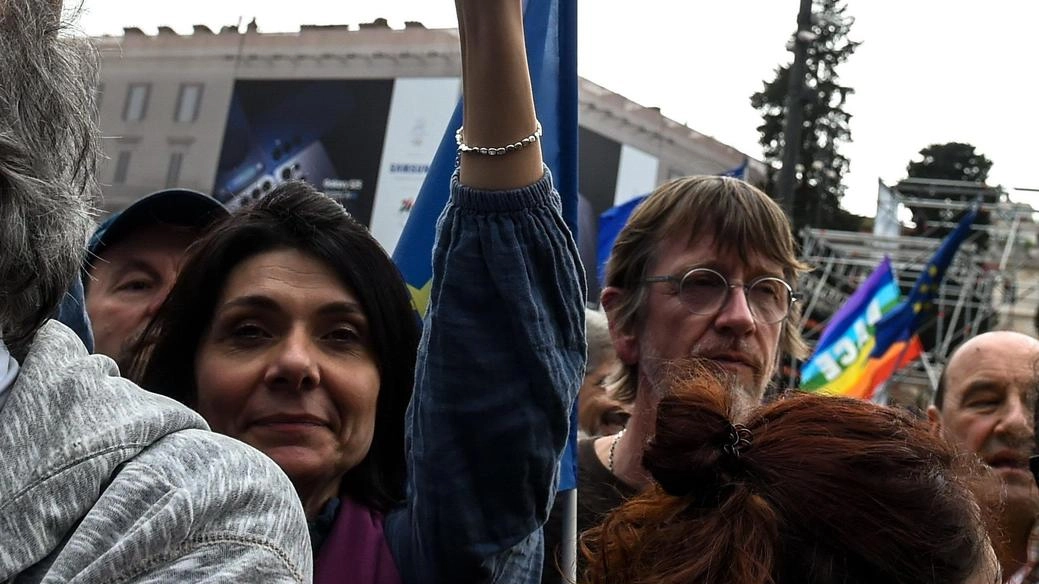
<point>979,283</point>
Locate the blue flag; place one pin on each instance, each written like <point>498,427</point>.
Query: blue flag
<point>611,222</point>
<point>741,172</point>
<point>904,321</point>
<point>550,27</point>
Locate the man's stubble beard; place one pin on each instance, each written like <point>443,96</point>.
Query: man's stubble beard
<point>666,375</point>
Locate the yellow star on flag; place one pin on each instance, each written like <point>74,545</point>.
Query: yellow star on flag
<point>420,297</point>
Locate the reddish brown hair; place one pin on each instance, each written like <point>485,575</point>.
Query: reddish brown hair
<point>829,490</point>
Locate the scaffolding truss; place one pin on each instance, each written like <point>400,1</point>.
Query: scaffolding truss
<point>978,287</point>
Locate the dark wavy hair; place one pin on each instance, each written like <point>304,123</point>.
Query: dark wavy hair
<point>823,490</point>
<point>295,216</point>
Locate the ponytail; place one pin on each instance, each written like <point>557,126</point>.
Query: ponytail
<point>703,464</point>
<point>806,490</point>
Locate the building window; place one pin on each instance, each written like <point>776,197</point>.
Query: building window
<point>188,100</point>
<point>173,170</point>
<point>122,166</point>
<point>136,102</point>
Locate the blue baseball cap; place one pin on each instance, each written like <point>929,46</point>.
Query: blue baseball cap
<point>180,207</point>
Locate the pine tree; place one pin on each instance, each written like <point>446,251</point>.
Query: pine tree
<point>818,178</point>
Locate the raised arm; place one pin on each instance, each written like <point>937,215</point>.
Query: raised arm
<point>502,352</point>
<point>498,104</point>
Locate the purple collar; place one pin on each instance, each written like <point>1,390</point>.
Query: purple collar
<point>355,550</point>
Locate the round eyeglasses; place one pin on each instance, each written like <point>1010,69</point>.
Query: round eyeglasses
<point>704,291</point>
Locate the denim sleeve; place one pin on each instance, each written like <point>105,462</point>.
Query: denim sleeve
<point>500,362</point>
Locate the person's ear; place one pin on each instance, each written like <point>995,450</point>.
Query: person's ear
<point>625,342</point>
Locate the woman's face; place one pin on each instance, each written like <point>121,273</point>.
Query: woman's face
<point>287,366</point>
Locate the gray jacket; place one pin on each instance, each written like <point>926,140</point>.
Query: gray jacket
<point>101,481</point>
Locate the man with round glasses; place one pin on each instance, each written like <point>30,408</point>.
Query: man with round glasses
<point>703,270</point>
<point>704,291</point>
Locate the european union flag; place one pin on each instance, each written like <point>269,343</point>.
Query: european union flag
<point>905,320</point>
<point>550,27</point>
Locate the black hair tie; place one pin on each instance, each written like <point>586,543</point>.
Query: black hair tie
<point>739,438</point>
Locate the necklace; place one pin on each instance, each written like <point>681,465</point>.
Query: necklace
<point>613,449</point>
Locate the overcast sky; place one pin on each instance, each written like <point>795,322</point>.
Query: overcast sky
<point>928,71</point>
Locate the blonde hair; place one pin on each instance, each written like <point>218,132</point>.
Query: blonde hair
<point>743,220</point>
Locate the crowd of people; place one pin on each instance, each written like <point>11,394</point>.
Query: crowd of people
<point>195,395</point>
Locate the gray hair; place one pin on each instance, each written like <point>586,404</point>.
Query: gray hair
<point>49,151</point>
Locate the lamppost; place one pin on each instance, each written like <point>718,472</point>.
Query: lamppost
<point>794,112</point>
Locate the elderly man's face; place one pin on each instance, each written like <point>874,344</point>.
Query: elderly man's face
<point>988,408</point>
<point>129,281</point>
<point>730,338</point>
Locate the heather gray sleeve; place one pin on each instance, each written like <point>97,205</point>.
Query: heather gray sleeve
<point>193,507</point>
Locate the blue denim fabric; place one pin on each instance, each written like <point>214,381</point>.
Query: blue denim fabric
<point>500,362</point>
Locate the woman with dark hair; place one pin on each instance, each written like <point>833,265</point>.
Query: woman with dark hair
<point>291,329</point>
<point>807,490</point>
<point>237,294</point>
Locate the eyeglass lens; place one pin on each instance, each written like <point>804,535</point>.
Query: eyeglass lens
<point>705,291</point>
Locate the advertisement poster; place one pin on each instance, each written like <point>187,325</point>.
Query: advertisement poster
<point>327,132</point>
<point>419,112</point>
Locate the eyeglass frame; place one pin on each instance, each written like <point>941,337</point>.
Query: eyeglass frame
<point>676,280</point>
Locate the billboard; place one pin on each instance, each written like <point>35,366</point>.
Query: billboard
<point>365,142</point>
<point>368,144</point>
<point>420,110</point>
<point>327,132</point>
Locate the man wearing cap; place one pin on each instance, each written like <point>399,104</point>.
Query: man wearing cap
<point>133,260</point>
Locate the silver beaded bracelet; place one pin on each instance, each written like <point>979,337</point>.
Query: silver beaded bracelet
<point>463,147</point>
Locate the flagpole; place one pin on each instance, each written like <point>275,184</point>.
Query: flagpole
<point>794,109</point>
<point>568,545</point>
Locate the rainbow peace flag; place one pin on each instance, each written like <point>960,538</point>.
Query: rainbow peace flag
<point>842,363</point>
<point>873,334</point>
